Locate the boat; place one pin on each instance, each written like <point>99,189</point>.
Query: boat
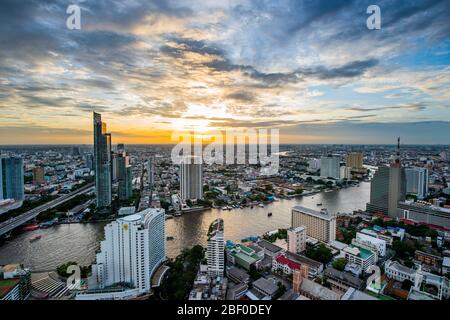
<point>30,227</point>
<point>269,214</point>
<point>169,217</point>
<point>261,205</point>
<point>169,238</point>
<point>35,237</point>
<point>319,204</point>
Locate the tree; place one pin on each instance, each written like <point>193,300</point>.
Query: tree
<point>319,253</point>
<point>407,284</point>
<point>339,264</point>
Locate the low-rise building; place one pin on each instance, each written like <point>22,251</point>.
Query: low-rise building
<point>296,239</point>
<point>285,265</point>
<point>359,256</point>
<point>342,281</point>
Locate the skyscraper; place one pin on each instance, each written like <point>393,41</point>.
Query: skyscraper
<point>388,187</point>
<point>191,179</point>
<point>11,178</point>
<point>330,167</point>
<point>133,248</point>
<point>215,252</point>
<point>320,225</point>
<point>417,182</point>
<point>38,175</point>
<point>102,159</point>
<point>354,160</point>
<point>124,176</point>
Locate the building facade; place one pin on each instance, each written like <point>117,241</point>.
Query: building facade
<point>215,252</point>
<point>102,163</point>
<point>296,239</point>
<point>330,167</point>
<point>417,182</point>
<point>133,249</point>
<point>319,225</point>
<point>11,179</point>
<point>191,179</point>
<point>124,176</point>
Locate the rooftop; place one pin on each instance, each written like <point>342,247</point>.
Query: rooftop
<point>265,285</point>
<point>323,214</point>
<point>360,252</point>
<point>285,261</point>
<point>269,246</point>
<point>7,285</point>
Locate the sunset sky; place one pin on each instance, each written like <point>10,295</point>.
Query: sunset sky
<point>310,68</point>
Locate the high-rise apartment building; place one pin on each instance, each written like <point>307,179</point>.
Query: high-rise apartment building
<point>354,160</point>
<point>296,239</point>
<point>102,160</point>
<point>191,179</point>
<point>38,175</point>
<point>417,182</point>
<point>134,247</point>
<point>388,187</point>
<point>215,252</point>
<point>12,178</point>
<point>124,176</point>
<point>330,167</point>
<point>320,225</point>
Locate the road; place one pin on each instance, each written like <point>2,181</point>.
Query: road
<point>33,213</point>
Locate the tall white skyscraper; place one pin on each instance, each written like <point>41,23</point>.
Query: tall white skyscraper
<point>191,179</point>
<point>102,159</point>
<point>215,253</point>
<point>330,167</point>
<point>133,248</point>
<point>417,181</point>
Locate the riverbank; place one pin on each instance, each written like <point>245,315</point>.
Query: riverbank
<point>78,242</point>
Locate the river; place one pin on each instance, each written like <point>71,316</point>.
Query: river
<point>78,242</point>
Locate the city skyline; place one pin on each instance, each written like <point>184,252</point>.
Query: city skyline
<point>311,69</point>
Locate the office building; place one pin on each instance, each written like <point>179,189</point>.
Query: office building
<point>320,225</point>
<point>124,176</point>
<point>345,173</point>
<point>215,252</point>
<point>359,257</point>
<point>388,187</point>
<point>11,179</point>
<point>313,165</point>
<point>423,212</point>
<point>38,175</point>
<point>417,182</point>
<point>134,247</point>
<point>378,244</point>
<point>296,239</point>
<point>102,160</point>
<point>330,167</point>
<point>191,179</point>
<point>354,160</point>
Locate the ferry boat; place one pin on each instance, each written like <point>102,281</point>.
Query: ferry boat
<point>269,214</point>
<point>35,237</point>
<point>30,227</point>
<point>261,205</point>
<point>169,238</point>
<point>319,204</point>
